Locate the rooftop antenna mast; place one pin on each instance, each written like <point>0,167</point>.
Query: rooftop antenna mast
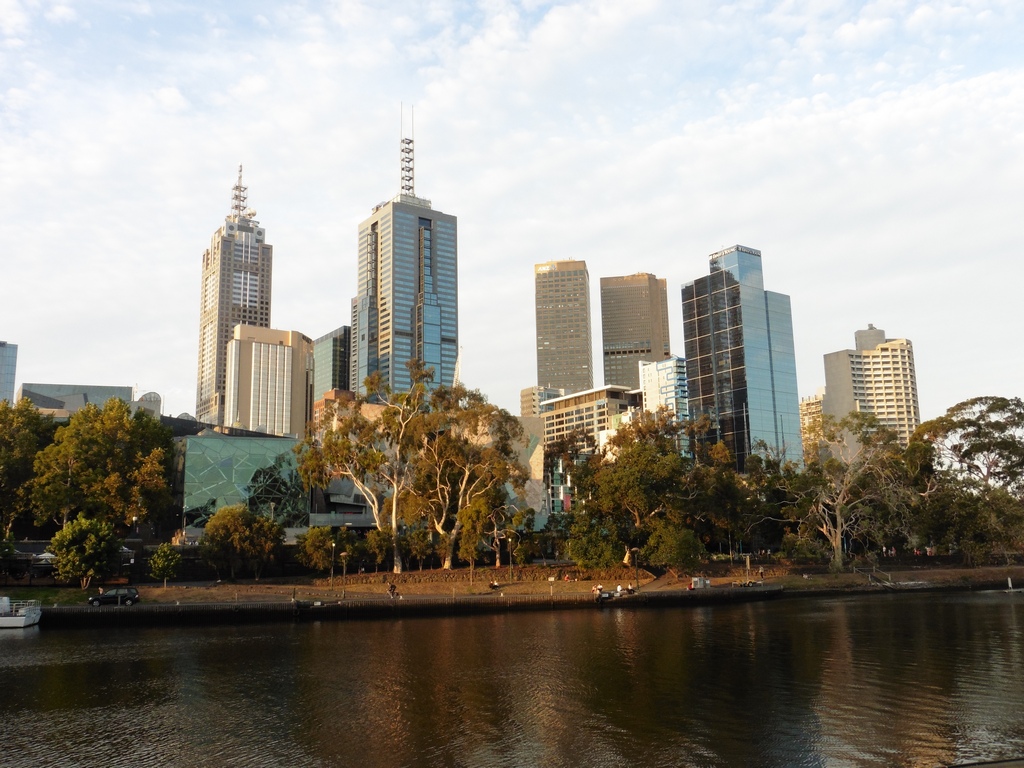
<point>408,153</point>
<point>239,196</point>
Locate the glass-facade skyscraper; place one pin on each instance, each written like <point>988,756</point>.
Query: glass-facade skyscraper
<point>8,366</point>
<point>740,358</point>
<point>235,291</point>
<point>331,361</point>
<point>407,307</point>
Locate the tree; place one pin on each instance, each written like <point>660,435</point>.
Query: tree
<point>468,458</point>
<point>378,544</point>
<point>24,431</point>
<point>234,539</point>
<point>673,546</point>
<point>970,465</point>
<point>223,541</point>
<point>421,544</point>
<point>858,488</point>
<point>639,479</point>
<point>86,549</point>
<point>106,464</point>
<point>375,443</point>
<point>164,563</point>
<point>315,548</point>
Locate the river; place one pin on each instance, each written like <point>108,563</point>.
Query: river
<point>880,680</point>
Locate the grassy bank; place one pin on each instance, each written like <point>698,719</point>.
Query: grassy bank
<point>531,580</point>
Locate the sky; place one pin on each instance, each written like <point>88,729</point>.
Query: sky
<point>872,151</point>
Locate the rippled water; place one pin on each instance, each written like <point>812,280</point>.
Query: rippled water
<point>898,680</point>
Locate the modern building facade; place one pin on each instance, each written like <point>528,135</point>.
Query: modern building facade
<point>62,400</point>
<point>634,325</point>
<point>740,358</point>
<point>8,367</point>
<point>663,384</point>
<point>565,358</point>
<point>269,381</point>
<point>533,400</point>
<point>877,377</point>
<point>407,307</point>
<point>331,361</point>
<point>236,287</point>
<point>591,412</point>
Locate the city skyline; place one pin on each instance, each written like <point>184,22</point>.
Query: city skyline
<point>874,153</point>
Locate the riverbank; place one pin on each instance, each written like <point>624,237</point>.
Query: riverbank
<point>550,581</point>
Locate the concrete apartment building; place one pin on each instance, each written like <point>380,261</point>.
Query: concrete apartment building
<point>878,377</point>
<point>565,358</point>
<point>407,307</point>
<point>269,380</point>
<point>634,325</point>
<point>810,421</point>
<point>236,287</point>
<point>740,358</point>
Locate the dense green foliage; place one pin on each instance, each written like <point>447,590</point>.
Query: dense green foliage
<point>23,433</point>
<point>105,464</point>
<point>164,563</point>
<point>235,540</point>
<point>86,550</point>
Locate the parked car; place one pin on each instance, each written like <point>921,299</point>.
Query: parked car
<point>116,596</point>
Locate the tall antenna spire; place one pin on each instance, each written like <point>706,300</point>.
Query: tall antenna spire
<point>408,154</point>
<point>239,196</point>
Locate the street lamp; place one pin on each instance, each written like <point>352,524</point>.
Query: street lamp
<point>636,565</point>
<point>333,545</point>
<point>135,522</point>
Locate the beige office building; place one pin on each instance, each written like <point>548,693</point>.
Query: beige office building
<point>565,358</point>
<point>235,290</point>
<point>877,377</point>
<point>592,412</point>
<point>634,325</point>
<point>269,380</point>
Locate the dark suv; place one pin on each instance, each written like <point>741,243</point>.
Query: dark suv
<point>116,596</point>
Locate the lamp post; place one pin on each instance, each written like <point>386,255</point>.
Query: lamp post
<point>333,545</point>
<point>344,572</point>
<point>636,566</point>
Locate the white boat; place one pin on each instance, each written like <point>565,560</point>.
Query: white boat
<point>15,614</point>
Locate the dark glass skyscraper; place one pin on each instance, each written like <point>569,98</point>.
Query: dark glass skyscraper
<point>740,360</point>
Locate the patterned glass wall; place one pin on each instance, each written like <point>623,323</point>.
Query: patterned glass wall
<point>259,472</point>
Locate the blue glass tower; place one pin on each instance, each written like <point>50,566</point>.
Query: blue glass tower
<point>740,360</point>
<point>408,302</point>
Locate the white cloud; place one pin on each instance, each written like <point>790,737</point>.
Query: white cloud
<point>877,171</point>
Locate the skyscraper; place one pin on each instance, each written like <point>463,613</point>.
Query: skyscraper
<point>407,307</point>
<point>740,360</point>
<point>269,381</point>
<point>877,377</point>
<point>235,290</point>
<point>634,325</point>
<point>8,366</point>
<point>331,360</point>
<point>564,355</point>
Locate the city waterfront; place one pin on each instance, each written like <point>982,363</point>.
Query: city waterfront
<point>879,680</point>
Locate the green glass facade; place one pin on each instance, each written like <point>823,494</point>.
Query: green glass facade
<point>257,471</point>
